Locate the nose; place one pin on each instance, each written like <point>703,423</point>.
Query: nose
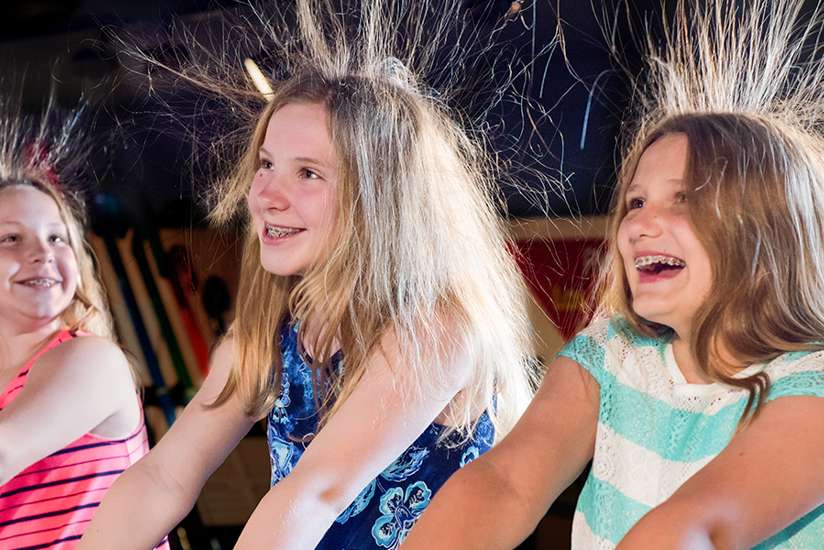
<point>270,193</point>
<point>40,252</point>
<point>646,222</point>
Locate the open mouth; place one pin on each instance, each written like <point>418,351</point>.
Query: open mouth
<point>274,232</point>
<point>40,282</point>
<point>659,265</point>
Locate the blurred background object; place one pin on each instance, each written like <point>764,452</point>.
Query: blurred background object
<point>171,279</point>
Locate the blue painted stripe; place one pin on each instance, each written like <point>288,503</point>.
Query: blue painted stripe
<point>807,532</point>
<point>799,384</point>
<point>690,436</point>
<point>608,512</point>
<point>588,353</point>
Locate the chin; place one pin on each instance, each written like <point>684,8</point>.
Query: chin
<point>279,271</point>
<point>278,268</point>
<point>651,313</point>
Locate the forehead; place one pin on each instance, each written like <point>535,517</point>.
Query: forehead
<point>665,160</point>
<point>25,203</point>
<point>300,126</point>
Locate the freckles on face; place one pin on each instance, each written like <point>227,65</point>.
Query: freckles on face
<point>667,267</point>
<point>293,196</point>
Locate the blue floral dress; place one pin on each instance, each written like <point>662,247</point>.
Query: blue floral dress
<point>387,508</point>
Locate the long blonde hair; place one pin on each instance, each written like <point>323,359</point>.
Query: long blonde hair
<point>733,84</point>
<point>49,155</point>
<point>423,252</point>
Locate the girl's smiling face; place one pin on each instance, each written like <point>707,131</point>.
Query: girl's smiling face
<point>292,200</point>
<point>667,267</point>
<point>38,267</point>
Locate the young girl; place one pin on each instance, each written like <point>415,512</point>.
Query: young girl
<point>697,391</point>
<point>70,418</point>
<point>379,325</point>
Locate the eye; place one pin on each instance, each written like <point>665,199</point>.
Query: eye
<point>308,174</point>
<point>57,238</point>
<point>635,202</point>
<point>680,197</point>
<point>265,164</point>
<point>10,238</point>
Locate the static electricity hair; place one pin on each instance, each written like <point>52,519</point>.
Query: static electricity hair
<point>49,155</point>
<point>421,253</point>
<point>745,88</point>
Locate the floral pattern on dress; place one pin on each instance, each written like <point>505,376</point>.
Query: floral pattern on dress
<point>400,511</point>
<point>359,504</point>
<point>384,511</point>
<point>279,412</point>
<point>281,454</point>
<point>405,465</point>
<point>469,455</point>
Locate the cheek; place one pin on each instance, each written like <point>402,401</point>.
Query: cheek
<point>70,270</point>
<point>319,205</point>
<point>251,202</point>
<point>623,242</point>
<point>330,209</point>
<point>8,265</point>
<point>697,255</point>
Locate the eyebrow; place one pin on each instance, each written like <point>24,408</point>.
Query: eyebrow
<point>21,224</point>
<point>308,160</point>
<point>679,181</point>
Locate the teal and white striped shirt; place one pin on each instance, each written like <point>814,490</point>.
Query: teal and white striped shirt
<point>655,430</point>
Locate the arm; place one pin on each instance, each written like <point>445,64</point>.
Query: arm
<point>503,494</point>
<point>378,421</point>
<point>770,474</point>
<point>86,380</point>
<point>152,496</point>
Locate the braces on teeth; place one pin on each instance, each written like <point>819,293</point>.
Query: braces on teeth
<point>278,232</point>
<point>666,260</point>
<point>41,282</point>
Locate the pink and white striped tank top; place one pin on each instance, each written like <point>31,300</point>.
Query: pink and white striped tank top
<point>50,503</point>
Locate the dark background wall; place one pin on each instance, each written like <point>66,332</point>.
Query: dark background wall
<point>570,130</point>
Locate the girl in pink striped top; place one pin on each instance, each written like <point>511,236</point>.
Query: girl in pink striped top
<point>70,419</point>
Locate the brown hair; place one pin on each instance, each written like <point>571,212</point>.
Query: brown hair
<point>755,192</point>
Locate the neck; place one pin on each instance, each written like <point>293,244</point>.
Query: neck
<point>686,361</point>
<point>18,344</point>
<point>311,337</point>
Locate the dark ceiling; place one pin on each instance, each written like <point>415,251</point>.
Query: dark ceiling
<point>61,44</point>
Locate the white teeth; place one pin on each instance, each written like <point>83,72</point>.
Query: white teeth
<point>42,283</point>
<point>274,231</point>
<point>646,261</point>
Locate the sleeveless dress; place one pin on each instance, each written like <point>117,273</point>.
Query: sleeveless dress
<point>387,508</point>
<point>50,503</point>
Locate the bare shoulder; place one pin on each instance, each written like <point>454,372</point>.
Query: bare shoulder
<point>220,367</point>
<point>223,353</point>
<point>94,359</point>
<point>454,348</point>
<point>91,346</point>
<point>223,356</point>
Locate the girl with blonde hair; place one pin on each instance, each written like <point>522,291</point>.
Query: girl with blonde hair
<point>70,418</point>
<point>380,325</point>
<point>697,390</point>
